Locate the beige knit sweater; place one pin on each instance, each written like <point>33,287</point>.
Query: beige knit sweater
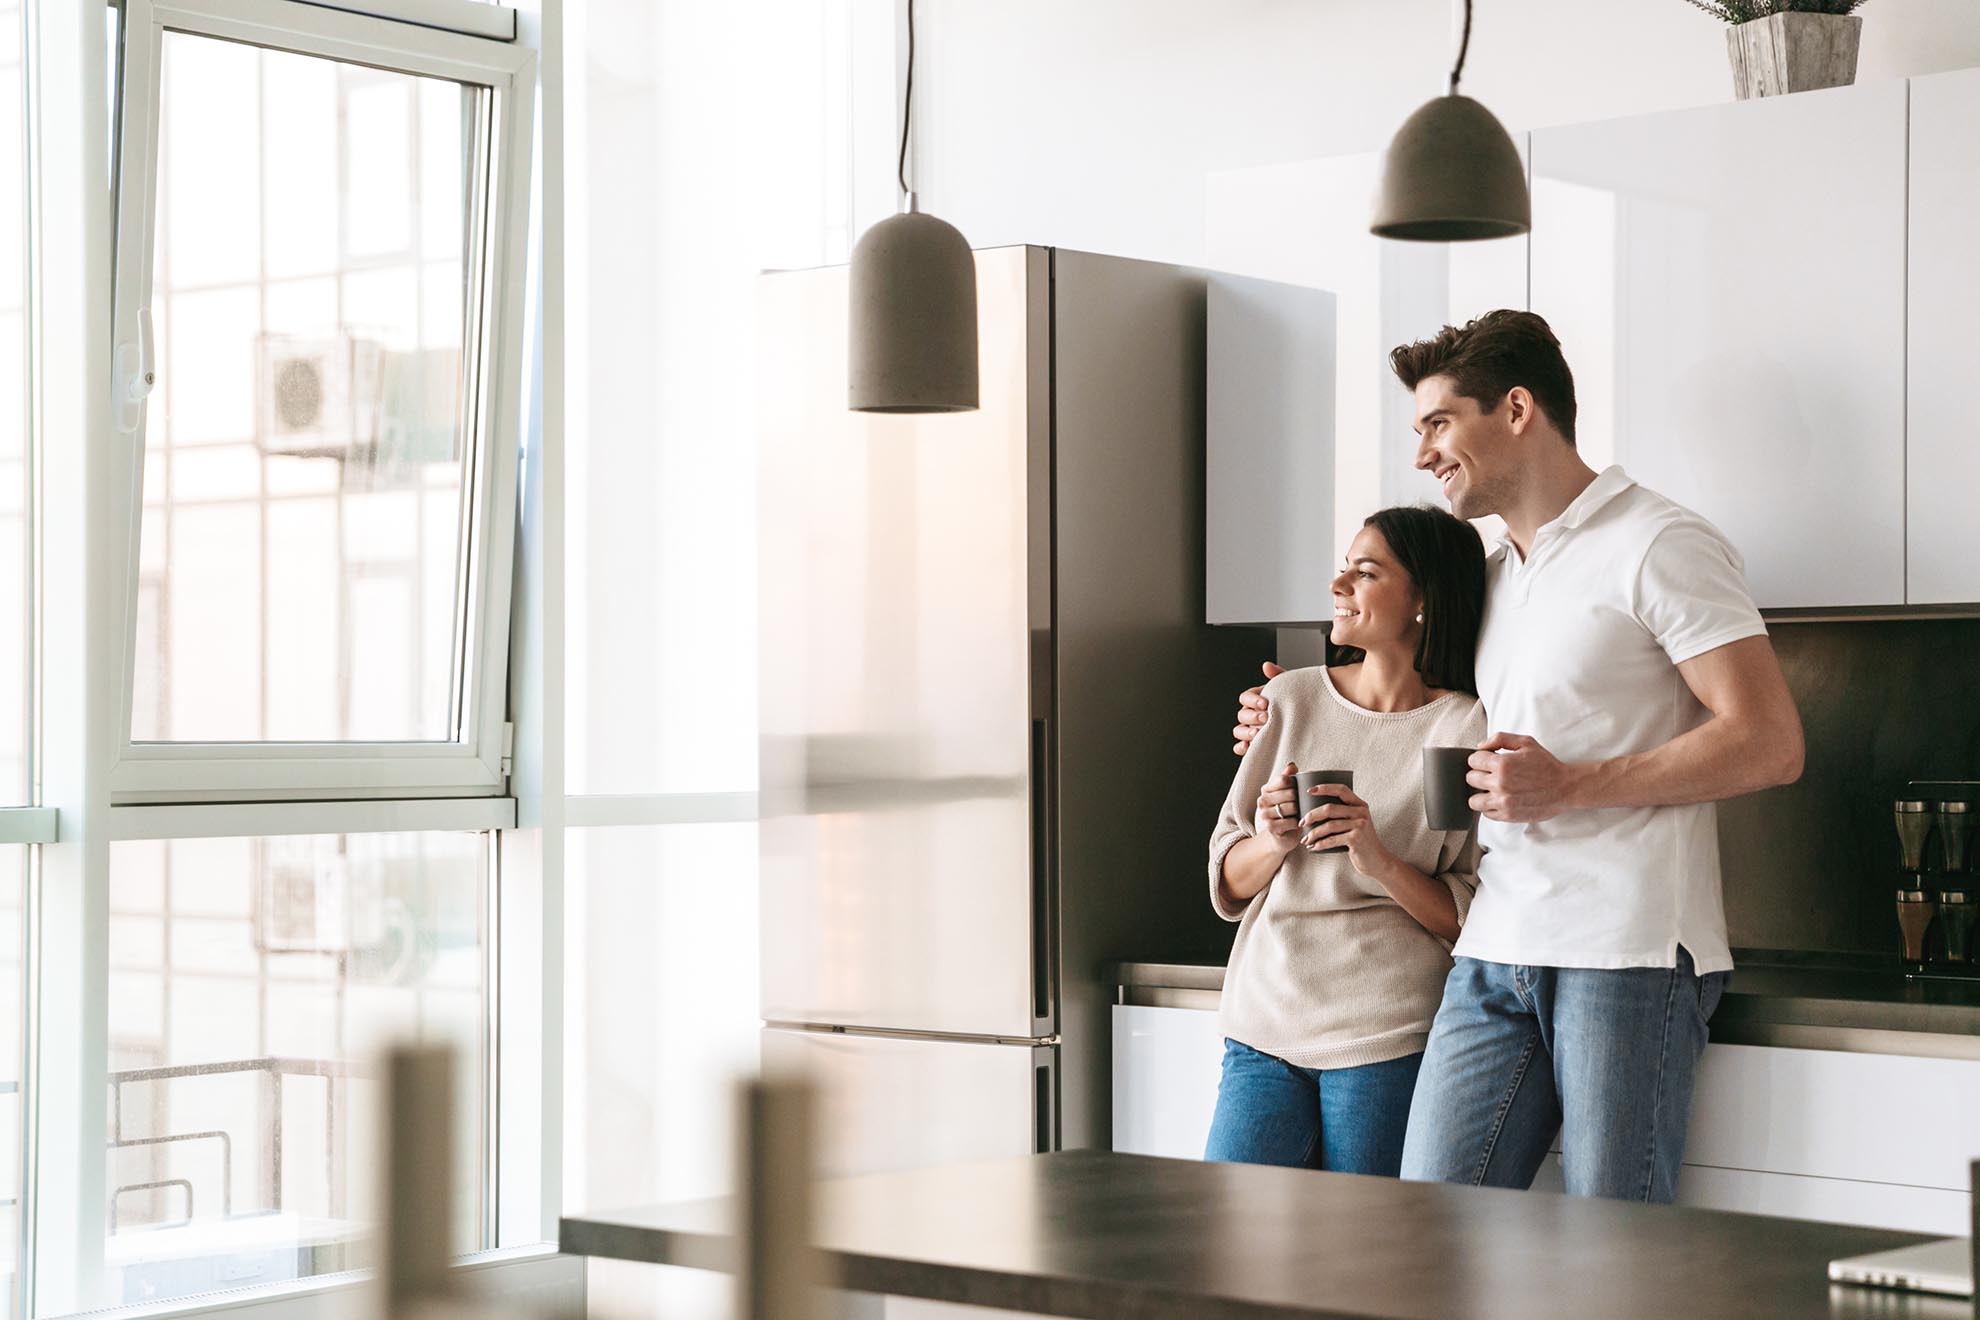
<point>1328,971</point>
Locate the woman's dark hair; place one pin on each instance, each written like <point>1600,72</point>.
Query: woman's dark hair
<point>1445,559</point>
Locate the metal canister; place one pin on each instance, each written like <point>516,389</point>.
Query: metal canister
<point>1955,835</point>
<point>1957,912</point>
<point>1914,826</point>
<point>1915,910</point>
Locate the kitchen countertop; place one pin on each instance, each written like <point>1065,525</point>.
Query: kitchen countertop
<point>1771,1000</point>
<point>1094,1233</point>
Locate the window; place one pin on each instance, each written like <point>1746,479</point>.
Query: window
<point>281,779</point>
<point>14,862</point>
<point>300,569</point>
<point>253,984</point>
<point>320,235</point>
<point>660,1018</point>
<point>702,144</point>
<point>16,632</point>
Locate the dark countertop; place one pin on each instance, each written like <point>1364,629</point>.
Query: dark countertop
<point>1773,999</point>
<point>1093,1233</point>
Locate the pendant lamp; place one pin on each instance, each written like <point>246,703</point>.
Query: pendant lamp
<point>912,347</point>
<point>1452,173</point>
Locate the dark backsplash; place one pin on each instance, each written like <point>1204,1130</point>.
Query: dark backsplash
<point>1813,866</point>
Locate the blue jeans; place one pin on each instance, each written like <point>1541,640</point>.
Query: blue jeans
<point>1349,1120</point>
<point>1606,1058</point>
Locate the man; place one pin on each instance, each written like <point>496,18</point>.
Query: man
<point>1630,684</point>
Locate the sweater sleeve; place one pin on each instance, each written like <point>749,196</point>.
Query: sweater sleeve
<point>1460,873</point>
<point>1260,763</point>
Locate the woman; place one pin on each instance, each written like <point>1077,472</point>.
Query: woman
<point>1347,909</point>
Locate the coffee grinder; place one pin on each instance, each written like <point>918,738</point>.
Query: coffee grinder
<point>1937,901</point>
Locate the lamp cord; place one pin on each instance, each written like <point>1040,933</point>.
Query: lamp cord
<point>1464,46</point>
<point>907,104</point>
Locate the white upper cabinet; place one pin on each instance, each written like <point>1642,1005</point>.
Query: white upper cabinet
<point>1269,470</point>
<point>1306,223</point>
<point>1943,462</point>
<point>1729,286</point>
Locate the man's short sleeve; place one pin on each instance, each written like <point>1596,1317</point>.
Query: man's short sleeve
<point>1691,591</point>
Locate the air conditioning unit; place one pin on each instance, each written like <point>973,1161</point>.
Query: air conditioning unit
<point>417,406</point>
<point>340,396</point>
<point>309,390</point>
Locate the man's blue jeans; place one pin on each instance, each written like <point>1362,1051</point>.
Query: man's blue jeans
<point>1606,1058</point>
<point>1349,1120</point>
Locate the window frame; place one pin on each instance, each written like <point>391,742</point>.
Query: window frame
<point>476,762</point>
<point>87,477</point>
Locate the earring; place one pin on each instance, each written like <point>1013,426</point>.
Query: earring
<point>1419,618</point>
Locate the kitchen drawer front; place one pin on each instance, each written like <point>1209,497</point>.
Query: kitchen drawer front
<point>1871,1118</point>
<point>1853,1119</point>
<point>1166,1065</point>
<point>1829,1200</point>
<point>1826,1200</point>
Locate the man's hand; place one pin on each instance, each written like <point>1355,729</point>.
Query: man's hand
<point>1519,780</point>
<point>1251,712</point>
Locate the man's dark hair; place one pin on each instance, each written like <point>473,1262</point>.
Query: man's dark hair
<point>1445,559</point>
<point>1487,357</point>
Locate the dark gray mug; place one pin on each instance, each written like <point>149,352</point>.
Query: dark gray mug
<point>1446,797</point>
<point>1306,779</point>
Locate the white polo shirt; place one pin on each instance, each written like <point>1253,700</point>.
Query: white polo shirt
<point>1579,650</point>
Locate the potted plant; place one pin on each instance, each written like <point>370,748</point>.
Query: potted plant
<point>1780,46</point>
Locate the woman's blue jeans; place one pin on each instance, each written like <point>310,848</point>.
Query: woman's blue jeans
<point>1348,1120</point>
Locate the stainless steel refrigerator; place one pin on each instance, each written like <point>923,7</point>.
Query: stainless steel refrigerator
<point>994,725</point>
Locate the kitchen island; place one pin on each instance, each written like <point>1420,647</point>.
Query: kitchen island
<point>1092,1233</point>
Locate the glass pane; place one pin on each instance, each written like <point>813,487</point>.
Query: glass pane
<point>15,646</point>
<point>660,996</point>
<point>307,461</point>
<point>668,95</point>
<point>13,945</point>
<point>253,983</point>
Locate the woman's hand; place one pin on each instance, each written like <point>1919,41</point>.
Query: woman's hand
<point>1276,818</point>
<point>1346,823</point>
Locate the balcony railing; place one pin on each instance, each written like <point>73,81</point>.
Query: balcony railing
<point>272,1071</point>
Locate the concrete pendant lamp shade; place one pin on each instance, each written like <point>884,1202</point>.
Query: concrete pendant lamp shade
<point>912,347</point>
<point>1452,174</point>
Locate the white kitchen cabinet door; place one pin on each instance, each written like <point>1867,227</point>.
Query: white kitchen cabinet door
<point>1826,1200</point>
<point>1870,1118</point>
<point>1728,284</point>
<point>1307,223</point>
<point>1943,463</point>
<point>1268,474</point>
<point>1787,1196</point>
<point>1166,1065</point>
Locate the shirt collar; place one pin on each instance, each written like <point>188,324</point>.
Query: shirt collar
<point>1609,483</point>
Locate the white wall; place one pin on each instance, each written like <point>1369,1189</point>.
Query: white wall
<point>1092,123</point>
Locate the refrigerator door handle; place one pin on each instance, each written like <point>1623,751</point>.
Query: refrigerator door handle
<point>1044,905</point>
<point>1045,1107</point>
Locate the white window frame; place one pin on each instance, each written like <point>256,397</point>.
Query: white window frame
<point>90,478</point>
<point>475,763</point>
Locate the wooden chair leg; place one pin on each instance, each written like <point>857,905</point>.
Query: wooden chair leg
<point>779,1275</point>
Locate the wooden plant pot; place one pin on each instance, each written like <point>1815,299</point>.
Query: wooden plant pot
<point>1785,53</point>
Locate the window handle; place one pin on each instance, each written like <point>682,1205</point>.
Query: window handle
<point>136,373</point>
